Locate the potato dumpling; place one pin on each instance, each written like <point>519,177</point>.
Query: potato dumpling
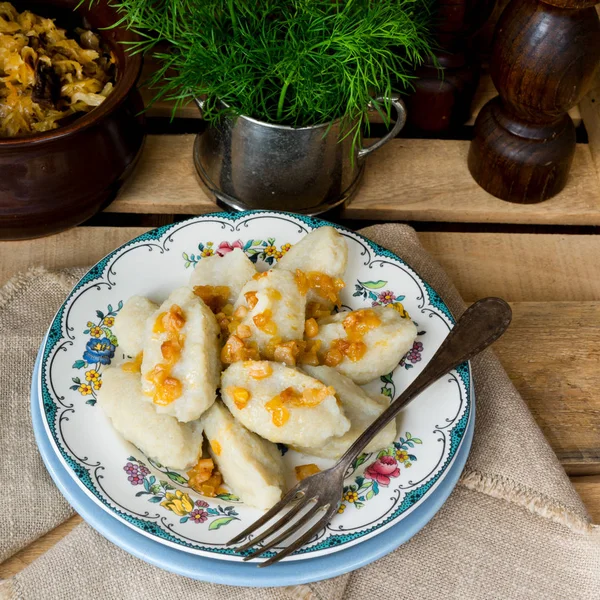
<point>282,404</point>
<point>323,252</point>
<point>323,249</point>
<point>129,324</point>
<point>181,367</point>
<point>270,307</point>
<point>359,407</point>
<point>251,467</point>
<point>233,270</point>
<point>365,344</point>
<point>161,437</point>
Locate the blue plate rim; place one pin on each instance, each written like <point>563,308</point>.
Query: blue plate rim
<point>234,573</point>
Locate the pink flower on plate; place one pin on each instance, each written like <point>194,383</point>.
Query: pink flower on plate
<point>226,247</point>
<point>382,469</point>
<point>386,297</point>
<point>198,515</point>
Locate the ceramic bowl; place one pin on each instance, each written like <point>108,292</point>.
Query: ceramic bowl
<point>54,180</point>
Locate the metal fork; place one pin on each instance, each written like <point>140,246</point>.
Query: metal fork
<point>480,325</point>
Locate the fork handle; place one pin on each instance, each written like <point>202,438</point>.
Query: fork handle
<point>479,326</point>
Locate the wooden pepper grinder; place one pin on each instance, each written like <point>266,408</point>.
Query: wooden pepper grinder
<point>544,57</point>
<point>441,100</point>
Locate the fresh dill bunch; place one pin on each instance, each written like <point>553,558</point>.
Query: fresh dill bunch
<point>289,62</point>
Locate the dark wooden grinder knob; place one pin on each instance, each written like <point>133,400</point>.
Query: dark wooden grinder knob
<point>544,57</point>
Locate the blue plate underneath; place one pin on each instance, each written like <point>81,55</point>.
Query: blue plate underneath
<point>235,573</point>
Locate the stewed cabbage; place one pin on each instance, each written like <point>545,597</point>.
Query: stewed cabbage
<point>46,76</point>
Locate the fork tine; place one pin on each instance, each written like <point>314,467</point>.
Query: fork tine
<point>303,520</point>
<point>277,525</point>
<point>291,495</point>
<point>322,522</point>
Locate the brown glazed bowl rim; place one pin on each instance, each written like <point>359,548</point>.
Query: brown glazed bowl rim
<point>130,68</point>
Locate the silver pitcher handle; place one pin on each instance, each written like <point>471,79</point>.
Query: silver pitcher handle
<point>200,104</point>
<point>398,125</point>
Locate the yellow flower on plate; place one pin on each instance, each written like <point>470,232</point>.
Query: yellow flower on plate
<point>97,384</point>
<point>207,252</point>
<point>351,496</point>
<point>401,455</point>
<point>109,321</point>
<point>285,248</point>
<point>181,504</point>
<point>278,255</point>
<point>85,389</point>
<point>398,306</point>
<point>341,509</point>
<point>96,331</point>
<point>92,375</point>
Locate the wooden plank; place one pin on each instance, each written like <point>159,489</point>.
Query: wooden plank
<point>79,247</point>
<point>162,108</point>
<point>414,180</point>
<point>589,490</point>
<point>590,111</point>
<point>429,180</point>
<point>551,351</point>
<point>518,267</point>
<point>165,180</point>
<point>21,559</point>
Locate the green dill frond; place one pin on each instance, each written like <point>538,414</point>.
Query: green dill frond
<point>293,62</point>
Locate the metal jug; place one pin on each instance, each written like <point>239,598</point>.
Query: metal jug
<point>248,164</point>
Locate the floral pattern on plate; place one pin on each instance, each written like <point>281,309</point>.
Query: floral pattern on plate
<point>379,473</point>
<point>99,351</point>
<point>255,250</point>
<point>161,491</point>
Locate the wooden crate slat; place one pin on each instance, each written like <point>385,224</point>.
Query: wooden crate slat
<point>418,180</point>
<point>162,108</point>
<point>429,180</point>
<point>590,111</point>
<point>16,563</point>
<point>589,490</point>
<point>164,181</point>
<point>518,267</point>
<point>551,352</point>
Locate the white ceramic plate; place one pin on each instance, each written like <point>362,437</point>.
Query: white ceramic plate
<point>384,487</point>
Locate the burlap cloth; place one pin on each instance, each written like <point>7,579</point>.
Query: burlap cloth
<point>513,528</point>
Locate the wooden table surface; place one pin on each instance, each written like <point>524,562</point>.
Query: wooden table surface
<point>548,272</point>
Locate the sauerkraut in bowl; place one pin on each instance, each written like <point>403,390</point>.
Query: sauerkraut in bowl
<point>49,76</point>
